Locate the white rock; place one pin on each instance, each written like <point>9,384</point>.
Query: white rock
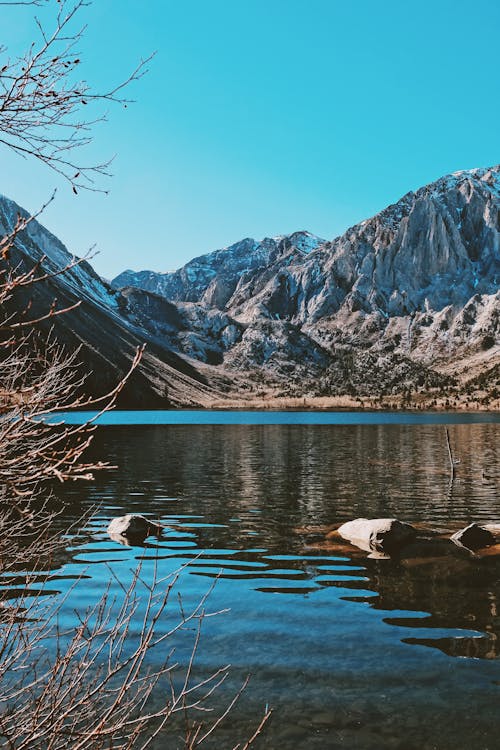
<point>380,534</point>
<point>133,525</point>
<point>474,536</point>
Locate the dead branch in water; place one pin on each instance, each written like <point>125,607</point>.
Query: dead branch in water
<point>450,454</point>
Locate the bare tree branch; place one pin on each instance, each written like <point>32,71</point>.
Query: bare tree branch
<point>46,111</point>
<point>88,687</point>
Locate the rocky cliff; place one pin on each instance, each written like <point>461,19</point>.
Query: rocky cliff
<point>212,279</point>
<point>406,300</point>
<point>404,305</point>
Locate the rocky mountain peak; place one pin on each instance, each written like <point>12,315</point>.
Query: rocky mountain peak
<point>400,301</point>
<point>414,285</point>
<point>212,279</point>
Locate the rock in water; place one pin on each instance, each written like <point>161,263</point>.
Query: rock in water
<point>377,534</point>
<point>133,525</point>
<point>473,537</point>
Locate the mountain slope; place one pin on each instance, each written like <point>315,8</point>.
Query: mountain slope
<point>414,290</point>
<point>407,301</point>
<point>436,247</point>
<point>211,279</point>
<point>100,325</point>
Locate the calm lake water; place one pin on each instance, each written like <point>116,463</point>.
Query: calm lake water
<point>349,651</point>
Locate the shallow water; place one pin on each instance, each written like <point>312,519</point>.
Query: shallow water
<point>348,650</point>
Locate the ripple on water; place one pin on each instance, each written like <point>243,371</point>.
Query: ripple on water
<point>349,650</point>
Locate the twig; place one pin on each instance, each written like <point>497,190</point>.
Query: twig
<point>450,454</point>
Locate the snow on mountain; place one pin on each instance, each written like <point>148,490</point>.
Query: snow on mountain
<point>408,299</point>
<point>416,286</point>
<point>108,337</point>
<point>212,278</point>
<point>37,243</point>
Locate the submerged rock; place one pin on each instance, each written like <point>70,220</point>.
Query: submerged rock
<point>132,525</point>
<point>473,537</point>
<point>377,534</point>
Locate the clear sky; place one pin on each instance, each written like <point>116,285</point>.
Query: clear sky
<point>262,117</point>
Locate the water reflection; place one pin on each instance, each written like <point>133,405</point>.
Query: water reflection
<point>457,592</point>
<point>242,503</point>
<point>231,488</point>
<point>275,477</point>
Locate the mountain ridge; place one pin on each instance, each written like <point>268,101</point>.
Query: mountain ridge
<point>106,338</point>
<point>419,279</point>
<point>405,302</point>
<point>200,280</point>
<point>375,231</point>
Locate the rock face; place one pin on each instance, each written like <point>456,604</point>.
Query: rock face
<point>377,534</point>
<point>100,325</point>
<point>212,279</point>
<point>393,304</point>
<point>406,302</point>
<point>132,525</point>
<point>474,537</point>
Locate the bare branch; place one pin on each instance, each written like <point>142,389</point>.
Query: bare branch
<point>88,687</point>
<point>46,110</point>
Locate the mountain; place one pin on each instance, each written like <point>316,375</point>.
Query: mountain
<point>212,279</point>
<point>406,300</point>
<point>402,308</point>
<point>100,326</point>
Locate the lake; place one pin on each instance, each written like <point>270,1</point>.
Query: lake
<point>348,650</point>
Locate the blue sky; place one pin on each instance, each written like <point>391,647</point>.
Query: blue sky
<point>264,117</point>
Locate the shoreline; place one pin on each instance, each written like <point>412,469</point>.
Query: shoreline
<point>348,403</point>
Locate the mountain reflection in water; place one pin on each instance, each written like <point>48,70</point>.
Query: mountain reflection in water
<point>264,482</point>
<point>310,619</point>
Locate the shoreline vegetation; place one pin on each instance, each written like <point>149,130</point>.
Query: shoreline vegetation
<point>348,403</point>
<point>397,402</point>
<point>314,404</point>
<point>327,404</point>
